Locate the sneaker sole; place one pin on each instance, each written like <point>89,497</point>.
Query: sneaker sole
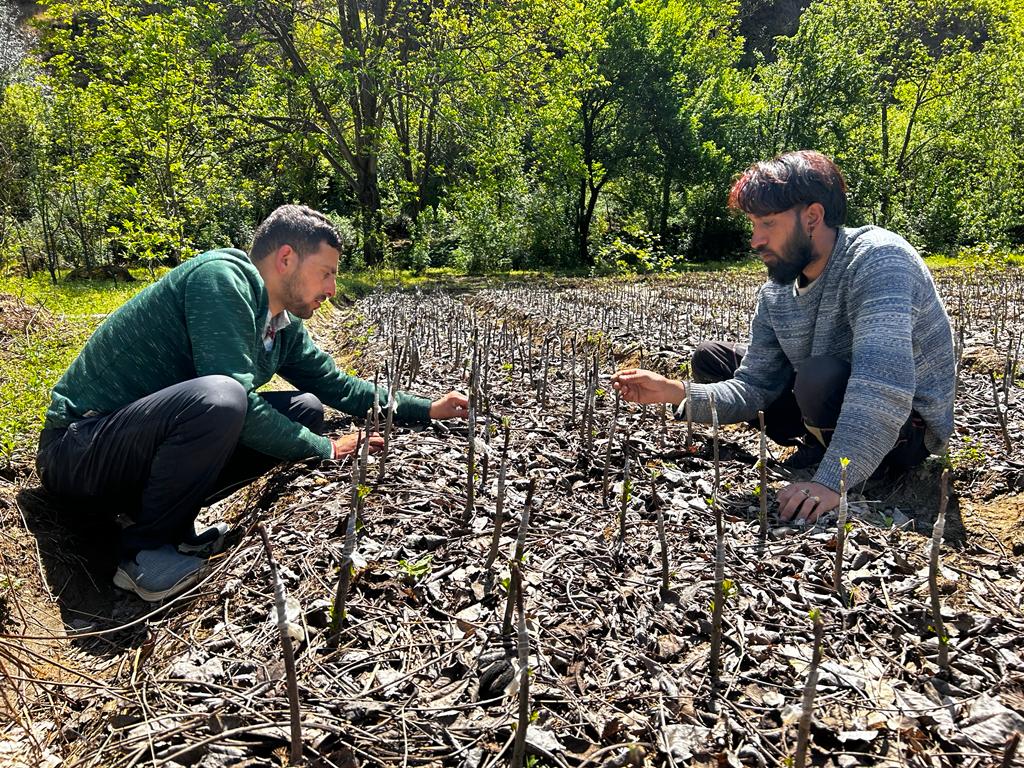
<point>124,581</point>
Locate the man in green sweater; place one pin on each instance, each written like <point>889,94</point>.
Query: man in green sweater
<point>159,414</point>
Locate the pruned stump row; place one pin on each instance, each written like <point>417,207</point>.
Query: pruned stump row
<point>427,667</point>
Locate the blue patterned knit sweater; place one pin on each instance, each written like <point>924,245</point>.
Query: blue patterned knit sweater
<point>876,307</point>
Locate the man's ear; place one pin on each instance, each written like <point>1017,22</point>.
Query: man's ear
<point>814,216</point>
<point>283,258</point>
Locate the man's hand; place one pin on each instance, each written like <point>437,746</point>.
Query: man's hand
<point>351,443</point>
<point>640,386</point>
<point>805,502</point>
<point>454,405</point>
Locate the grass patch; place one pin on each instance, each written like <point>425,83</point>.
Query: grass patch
<point>42,328</point>
<point>974,260</point>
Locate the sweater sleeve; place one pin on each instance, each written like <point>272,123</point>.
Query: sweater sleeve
<point>311,369</point>
<point>880,392</point>
<point>758,382</point>
<point>222,330</point>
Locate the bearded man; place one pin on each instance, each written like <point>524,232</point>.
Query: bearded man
<point>159,415</point>
<point>850,352</point>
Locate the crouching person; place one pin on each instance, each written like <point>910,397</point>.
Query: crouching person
<point>850,353</point>
<point>159,415</point>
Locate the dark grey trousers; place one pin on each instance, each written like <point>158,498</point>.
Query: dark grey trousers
<point>161,459</point>
<point>814,398</point>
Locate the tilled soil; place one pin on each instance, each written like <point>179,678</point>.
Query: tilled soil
<point>425,669</point>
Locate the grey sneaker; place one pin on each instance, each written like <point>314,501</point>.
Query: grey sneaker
<point>156,574</point>
<point>207,542</point>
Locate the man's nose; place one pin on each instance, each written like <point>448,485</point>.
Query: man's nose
<point>332,288</point>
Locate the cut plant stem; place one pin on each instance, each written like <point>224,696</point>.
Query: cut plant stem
<point>471,446</point>
<point>662,538</point>
<point>810,688</point>
<point>718,607</point>
<point>1000,413</point>
<point>933,572</point>
<point>627,482</point>
<point>389,419</point>
<point>689,423</point>
<point>520,550</point>
<point>519,748</point>
<point>345,575</point>
<point>499,505</point>
<point>762,466</point>
<point>280,605</point>
<point>837,570</point>
<point>606,475</point>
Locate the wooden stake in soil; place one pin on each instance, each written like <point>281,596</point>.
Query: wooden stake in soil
<point>289,652</point>
<point>933,572</point>
<point>519,748</point>
<point>811,687</point>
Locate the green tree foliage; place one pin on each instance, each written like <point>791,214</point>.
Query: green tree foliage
<point>641,89</point>
<point>588,133</point>
<point>916,100</point>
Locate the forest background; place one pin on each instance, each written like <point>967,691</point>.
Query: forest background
<point>590,135</point>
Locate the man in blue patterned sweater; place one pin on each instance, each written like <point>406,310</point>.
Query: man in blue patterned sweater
<point>850,352</point>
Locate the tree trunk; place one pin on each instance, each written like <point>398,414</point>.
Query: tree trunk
<point>666,194</point>
<point>370,217</point>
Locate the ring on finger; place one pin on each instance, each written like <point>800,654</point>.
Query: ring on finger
<point>815,499</point>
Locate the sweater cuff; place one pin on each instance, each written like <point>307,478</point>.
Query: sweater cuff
<point>700,403</point>
<point>412,409</point>
<point>324,446</point>
<point>828,476</point>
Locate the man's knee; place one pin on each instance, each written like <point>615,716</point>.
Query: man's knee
<point>308,411</point>
<point>715,361</point>
<point>819,388</point>
<point>223,399</point>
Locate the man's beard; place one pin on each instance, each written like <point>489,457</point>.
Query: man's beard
<point>796,254</point>
<point>294,303</point>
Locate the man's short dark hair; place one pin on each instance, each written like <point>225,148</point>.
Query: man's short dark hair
<point>791,179</point>
<point>296,225</point>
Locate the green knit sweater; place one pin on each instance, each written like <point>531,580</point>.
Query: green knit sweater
<point>203,318</point>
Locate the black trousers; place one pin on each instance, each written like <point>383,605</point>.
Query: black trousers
<point>810,405</point>
<point>160,459</point>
